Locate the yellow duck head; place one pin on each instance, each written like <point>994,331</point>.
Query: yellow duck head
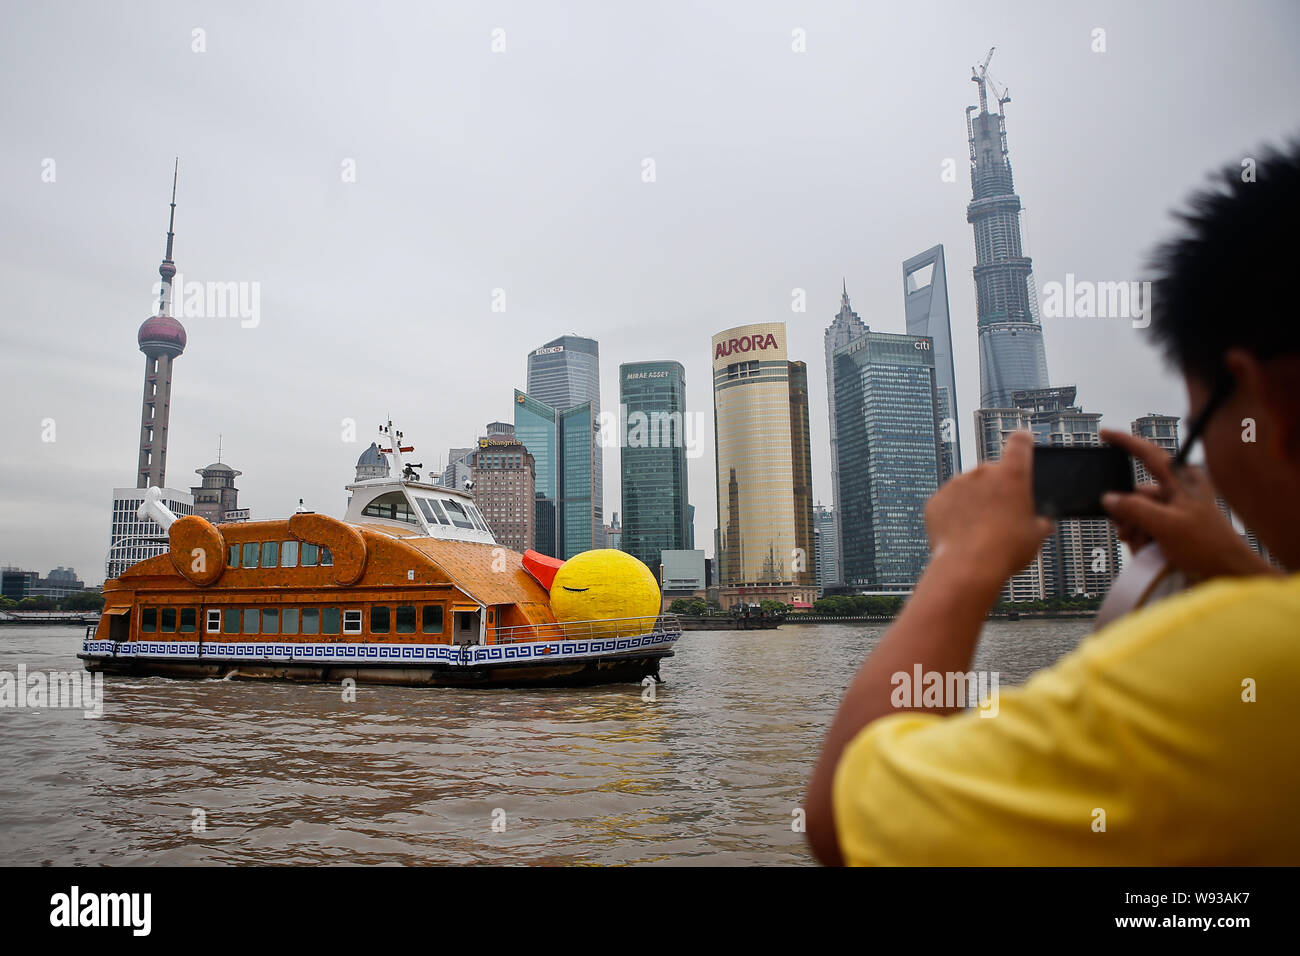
<point>600,585</point>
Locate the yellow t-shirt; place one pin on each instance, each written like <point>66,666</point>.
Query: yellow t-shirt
<point>1148,721</point>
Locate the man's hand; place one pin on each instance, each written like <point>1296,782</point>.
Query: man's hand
<point>1179,512</point>
<point>986,516</point>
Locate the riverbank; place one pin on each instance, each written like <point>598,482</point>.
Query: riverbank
<point>47,618</point>
<point>724,623</point>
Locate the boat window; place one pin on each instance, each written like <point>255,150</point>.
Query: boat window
<point>432,513</point>
<point>233,561</point>
<point>432,622</point>
<point>457,514</point>
<point>250,554</point>
<point>149,620</point>
<point>405,619</point>
<point>230,621</point>
<point>214,620</point>
<point>326,556</point>
<point>251,616</point>
<point>329,620</point>
<point>437,510</point>
<point>393,506</point>
<point>478,518</point>
<point>270,554</point>
<point>189,620</point>
<point>270,620</point>
<point>310,555</point>
<point>288,554</point>
<point>311,620</point>
<point>379,617</point>
<point>351,620</point>
<point>289,621</point>
<point>168,623</point>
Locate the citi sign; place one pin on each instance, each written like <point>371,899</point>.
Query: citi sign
<point>746,343</point>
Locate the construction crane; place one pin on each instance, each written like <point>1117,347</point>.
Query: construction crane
<point>980,76</point>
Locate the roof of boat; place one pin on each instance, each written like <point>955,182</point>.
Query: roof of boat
<point>473,566</point>
<point>398,482</point>
<point>488,573</point>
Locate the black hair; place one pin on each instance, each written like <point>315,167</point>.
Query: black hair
<point>1226,280</point>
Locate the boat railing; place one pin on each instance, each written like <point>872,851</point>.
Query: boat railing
<point>572,630</point>
<point>579,630</point>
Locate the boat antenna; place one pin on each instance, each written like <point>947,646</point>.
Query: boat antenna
<point>394,437</point>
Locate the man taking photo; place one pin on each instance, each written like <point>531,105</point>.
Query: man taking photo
<point>1176,726</point>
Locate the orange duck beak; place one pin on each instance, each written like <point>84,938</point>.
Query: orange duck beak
<point>542,567</point>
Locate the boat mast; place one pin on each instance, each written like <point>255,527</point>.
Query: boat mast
<point>394,438</point>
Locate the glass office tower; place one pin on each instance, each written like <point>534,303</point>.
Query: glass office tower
<point>846,327</point>
<point>537,428</point>
<point>925,299</point>
<point>889,457</point>
<point>805,541</point>
<point>652,465</point>
<point>577,518</point>
<point>562,449</point>
<point>764,543</point>
<point>564,373</point>
<point>828,552</point>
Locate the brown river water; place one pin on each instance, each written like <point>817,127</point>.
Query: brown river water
<point>216,772</point>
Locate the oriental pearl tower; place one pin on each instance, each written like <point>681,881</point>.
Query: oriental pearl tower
<point>162,340</point>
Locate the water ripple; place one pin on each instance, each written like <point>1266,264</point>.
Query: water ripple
<point>707,773</point>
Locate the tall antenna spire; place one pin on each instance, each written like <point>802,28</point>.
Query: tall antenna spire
<point>162,339</point>
<point>171,221</point>
<point>168,268</point>
<point>218,448</point>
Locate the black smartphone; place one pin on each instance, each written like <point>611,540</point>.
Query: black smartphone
<point>1069,482</point>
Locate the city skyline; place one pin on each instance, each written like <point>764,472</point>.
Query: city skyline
<point>644,270</point>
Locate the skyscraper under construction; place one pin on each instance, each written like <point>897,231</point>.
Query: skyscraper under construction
<point>1012,357</point>
<point>1081,556</point>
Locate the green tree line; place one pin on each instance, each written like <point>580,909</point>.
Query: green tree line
<point>81,601</point>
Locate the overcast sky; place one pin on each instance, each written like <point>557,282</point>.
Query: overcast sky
<point>522,170</point>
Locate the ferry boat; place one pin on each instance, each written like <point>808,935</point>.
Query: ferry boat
<point>409,588</point>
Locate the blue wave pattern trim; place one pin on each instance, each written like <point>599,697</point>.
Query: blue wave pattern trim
<point>454,656</point>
